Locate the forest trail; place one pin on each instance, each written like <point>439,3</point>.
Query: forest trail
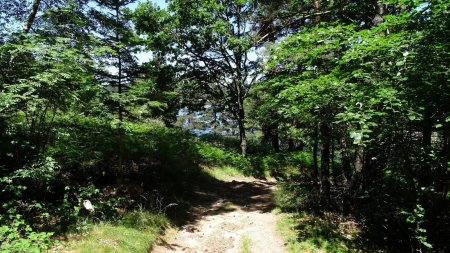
<point>233,216</point>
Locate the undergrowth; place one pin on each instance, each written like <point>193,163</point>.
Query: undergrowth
<point>310,233</point>
<point>224,172</point>
<point>136,232</point>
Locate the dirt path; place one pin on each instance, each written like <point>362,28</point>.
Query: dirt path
<point>233,216</point>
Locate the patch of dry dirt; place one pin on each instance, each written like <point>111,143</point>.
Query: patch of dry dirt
<point>225,215</point>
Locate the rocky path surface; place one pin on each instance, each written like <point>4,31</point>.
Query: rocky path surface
<point>233,216</point>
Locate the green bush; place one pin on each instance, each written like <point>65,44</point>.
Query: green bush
<point>214,156</point>
<point>297,196</point>
<point>18,236</point>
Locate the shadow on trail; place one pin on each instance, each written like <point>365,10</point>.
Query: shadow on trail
<point>220,197</point>
<point>222,213</point>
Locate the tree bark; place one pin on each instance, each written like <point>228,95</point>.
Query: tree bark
<point>315,149</point>
<point>240,89</point>
<point>241,119</point>
<point>346,160</point>
<point>427,128</point>
<point>242,136</point>
<point>269,136</point>
<point>445,156</point>
<point>275,140</point>
<point>32,16</point>
<point>378,19</point>
<point>316,5</point>
<point>119,91</point>
<point>325,158</point>
<point>334,168</point>
<point>359,159</point>
<point>291,145</point>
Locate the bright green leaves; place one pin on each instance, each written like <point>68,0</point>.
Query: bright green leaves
<point>306,85</point>
<point>360,78</point>
<point>49,75</point>
<point>416,218</point>
<point>18,236</point>
<point>153,26</point>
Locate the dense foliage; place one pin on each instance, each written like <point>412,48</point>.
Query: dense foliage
<point>347,103</point>
<point>373,101</point>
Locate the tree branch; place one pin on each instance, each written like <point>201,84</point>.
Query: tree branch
<point>32,16</point>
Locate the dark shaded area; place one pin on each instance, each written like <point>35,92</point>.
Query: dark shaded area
<point>249,196</point>
<point>160,167</point>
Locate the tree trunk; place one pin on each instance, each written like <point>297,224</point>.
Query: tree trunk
<point>241,120</point>
<point>316,5</point>
<point>334,168</point>
<point>378,19</point>
<point>315,149</point>
<point>240,89</point>
<point>346,160</point>
<point>291,145</point>
<point>119,91</point>
<point>427,128</point>
<point>445,153</point>
<point>359,159</point>
<point>270,136</point>
<point>445,156</point>
<point>325,159</point>
<point>275,142</point>
<point>242,137</point>
<point>32,16</point>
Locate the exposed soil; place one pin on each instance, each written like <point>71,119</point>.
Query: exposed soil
<point>227,215</point>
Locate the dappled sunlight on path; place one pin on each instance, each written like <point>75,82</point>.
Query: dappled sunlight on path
<point>227,217</point>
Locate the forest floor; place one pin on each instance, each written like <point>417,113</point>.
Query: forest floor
<point>234,215</point>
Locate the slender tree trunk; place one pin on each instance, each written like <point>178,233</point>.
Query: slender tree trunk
<point>445,154</point>
<point>346,160</point>
<point>427,128</point>
<point>325,158</point>
<point>267,134</point>
<point>347,172</point>
<point>445,140</point>
<point>359,159</point>
<point>120,91</point>
<point>271,136</point>
<point>242,136</point>
<point>446,144</point>
<point>291,142</point>
<point>291,145</point>
<point>32,16</point>
<point>275,142</point>
<point>378,19</point>
<point>274,137</point>
<point>316,5</point>
<point>334,169</point>
<point>315,149</point>
<point>240,87</point>
<point>241,119</point>
<point>2,132</point>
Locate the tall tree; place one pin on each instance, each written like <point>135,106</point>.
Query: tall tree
<point>112,20</point>
<point>114,29</point>
<point>365,80</point>
<point>215,45</point>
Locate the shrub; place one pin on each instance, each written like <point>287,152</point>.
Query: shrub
<point>214,156</point>
<point>18,236</point>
